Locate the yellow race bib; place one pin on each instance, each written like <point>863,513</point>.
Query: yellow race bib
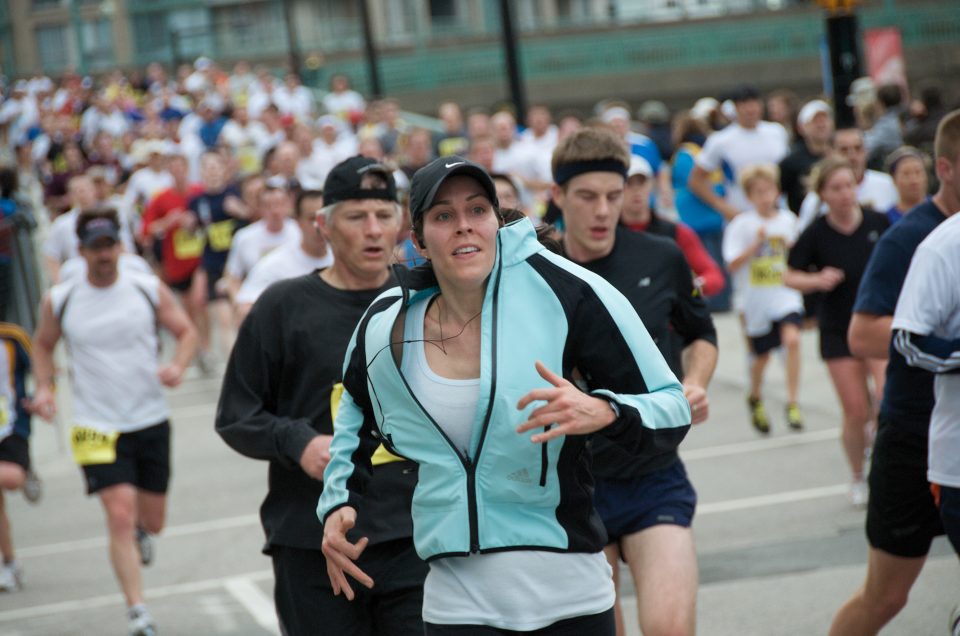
<point>91,446</point>
<point>381,455</point>
<point>4,411</point>
<point>220,235</point>
<point>187,245</point>
<point>767,269</point>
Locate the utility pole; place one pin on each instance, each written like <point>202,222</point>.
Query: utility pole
<point>376,90</point>
<point>517,93</point>
<point>293,49</point>
<point>846,60</point>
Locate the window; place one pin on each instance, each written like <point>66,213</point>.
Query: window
<point>97,43</point>
<point>327,26</point>
<point>43,5</point>
<point>55,46</point>
<point>181,35</point>
<point>250,29</point>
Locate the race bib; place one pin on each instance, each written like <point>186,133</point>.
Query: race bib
<point>767,269</point>
<point>187,245</point>
<point>381,455</point>
<point>220,235</point>
<point>91,446</point>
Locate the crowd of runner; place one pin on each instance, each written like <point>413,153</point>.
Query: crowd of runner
<point>183,201</point>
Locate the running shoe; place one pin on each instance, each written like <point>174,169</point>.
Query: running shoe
<point>758,414</point>
<point>145,546</point>
<point>11,577</point>
<point>139,622</point>
<point>794,417</point>
<point>205,362</point>
<point>858,493</point>
<point>32,487</point>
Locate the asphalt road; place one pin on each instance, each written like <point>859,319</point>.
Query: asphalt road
<point>779,547</point>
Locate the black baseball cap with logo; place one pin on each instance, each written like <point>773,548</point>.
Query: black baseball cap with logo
<point>344,181</point>
<point>428,179</point>
<point>99,228</point>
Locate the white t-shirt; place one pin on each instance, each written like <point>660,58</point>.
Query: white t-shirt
<point>876,192</point>
<point>287,261</point>
<point>113,345</point>
<point>341,104</point>
<point>254,242</point>
<point>516,590</point>
<point>929,304</point>
<point>145,184</point>
<point>62,242</point>
<point>297,102</point>
<point>518,159</point>
<point>736,148</point>
<point>759,292</point>
<point>76,267</point>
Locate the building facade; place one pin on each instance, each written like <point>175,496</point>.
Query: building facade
<point>430,49</point>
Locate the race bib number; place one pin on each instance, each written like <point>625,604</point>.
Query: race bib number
<point>187,245</point>
<point>91,446</point>
<point>220,235</point>
<point>767,269</point>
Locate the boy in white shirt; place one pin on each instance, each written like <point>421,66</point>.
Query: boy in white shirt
<point>755,247</point>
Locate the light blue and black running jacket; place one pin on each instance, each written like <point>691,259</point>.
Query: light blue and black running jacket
<point>505,492</point>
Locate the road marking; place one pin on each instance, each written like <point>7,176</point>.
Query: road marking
<point>772,500</point>
<point>760,445</point>
<point>260,606</point>
<point>187,529</point>
<point>108,600</point>
<point>220,612</point>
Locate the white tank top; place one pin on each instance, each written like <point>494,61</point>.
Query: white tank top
<point>515,590</point>
<point>111,335</point>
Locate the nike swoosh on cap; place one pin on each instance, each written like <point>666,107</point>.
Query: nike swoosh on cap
<point>451,165</point>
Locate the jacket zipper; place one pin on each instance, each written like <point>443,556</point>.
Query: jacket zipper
<point>544,460</point>
<point>469,465</point>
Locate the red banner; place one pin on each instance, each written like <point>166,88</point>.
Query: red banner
<point>885,63</point>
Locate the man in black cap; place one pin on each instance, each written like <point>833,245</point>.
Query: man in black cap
<point>121,436</point>
<point>279,399</point>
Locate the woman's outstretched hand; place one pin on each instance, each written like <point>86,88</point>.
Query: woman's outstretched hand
<point>568,410</point>
<point>341,554</point>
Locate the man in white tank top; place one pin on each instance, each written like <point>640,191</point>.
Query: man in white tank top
<point>121,432</point>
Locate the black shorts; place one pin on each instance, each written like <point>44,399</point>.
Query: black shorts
<point>628,506</point>
<point>902,517</point>
<point>182,286</point>
<point>306,605</point>
<point>602,624</point>
<point>771,340</point>
<point>16,450</point>
<point>143,459</point>
<point>833,345</point>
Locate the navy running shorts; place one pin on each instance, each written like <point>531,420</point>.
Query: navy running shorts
<point>664,496</point>
<point>143,460</point>
<point>16,450</point>
<point>902,517</point>
<point>771,340</point>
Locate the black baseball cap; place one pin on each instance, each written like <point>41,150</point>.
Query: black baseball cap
<point>428,179</point>
<point>99,228</point>
<point>343,182</point>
